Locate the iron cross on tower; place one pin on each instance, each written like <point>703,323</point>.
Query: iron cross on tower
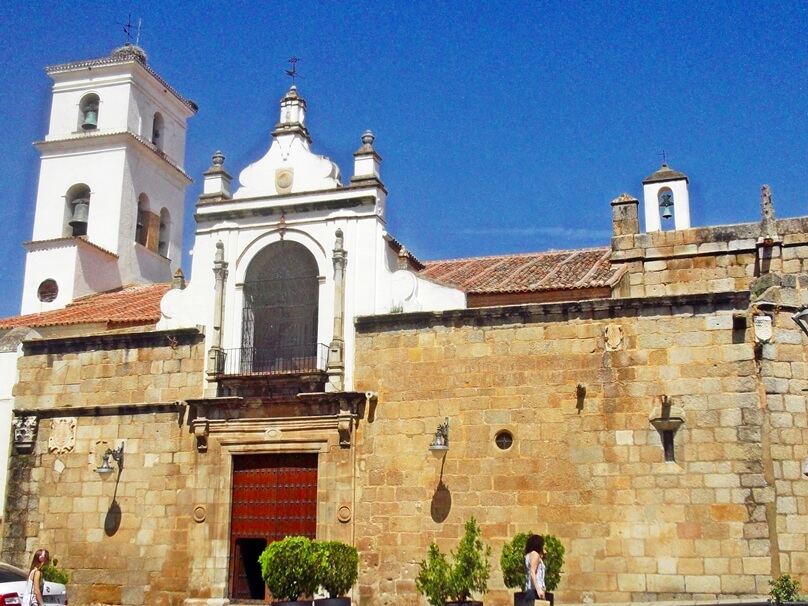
<point>292,73</point>
<point>127,29</point>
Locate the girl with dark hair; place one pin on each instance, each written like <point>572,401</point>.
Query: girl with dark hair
<point>534,569</point>
<point>35,582</point>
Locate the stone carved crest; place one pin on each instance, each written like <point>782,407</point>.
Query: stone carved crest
<point>763,328</point>
<point>613,335</point>
<point>62,436</point>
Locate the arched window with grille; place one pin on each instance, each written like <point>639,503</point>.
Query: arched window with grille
<point>279,318</point>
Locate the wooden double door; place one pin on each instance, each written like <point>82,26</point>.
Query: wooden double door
<point>274,496</point>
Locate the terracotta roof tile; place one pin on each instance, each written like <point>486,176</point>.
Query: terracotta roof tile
<point>532,272</point>
<point>136,304</point>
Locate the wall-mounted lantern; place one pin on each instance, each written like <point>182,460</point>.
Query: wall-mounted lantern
<point>105,468</point>
<point>801,319</point>
<point>440,444</point>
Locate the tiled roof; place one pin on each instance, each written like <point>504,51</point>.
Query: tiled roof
<point>532,272</point>
<point>133,305</point>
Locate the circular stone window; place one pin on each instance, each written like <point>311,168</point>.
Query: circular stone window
<point>48,291</point>
<point>504,440</point>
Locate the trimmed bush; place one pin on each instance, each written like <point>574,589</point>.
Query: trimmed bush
<point>553,561</point>
<point>512,561</point>
<point>339,567</point>
<point>289,568</point>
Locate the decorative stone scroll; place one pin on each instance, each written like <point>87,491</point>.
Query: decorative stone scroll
<point>201,428</point>
<point>25,433</point>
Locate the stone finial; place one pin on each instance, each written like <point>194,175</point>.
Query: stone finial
<point>768,231</point>
<point>219,256</point>
<point>366,160</point>
<point>338,244</point>
<point>217,179</point>
<point>178,282</point>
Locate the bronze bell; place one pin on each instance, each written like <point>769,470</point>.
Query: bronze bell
<point>90,120</point>
<point>665,203</point>
<point>81,211</point>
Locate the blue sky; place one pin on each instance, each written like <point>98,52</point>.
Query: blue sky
<point>504,126</point>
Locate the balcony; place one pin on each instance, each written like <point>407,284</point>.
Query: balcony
<point>272,360</point>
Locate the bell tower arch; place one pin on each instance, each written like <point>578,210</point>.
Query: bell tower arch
<point>666,200</point>
<point>116,137</point>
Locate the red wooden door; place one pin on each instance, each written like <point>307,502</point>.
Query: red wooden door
<point>274,496</point>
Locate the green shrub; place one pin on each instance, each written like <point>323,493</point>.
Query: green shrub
<point>289,568</point>
<point>512,561</point>
<point>339,567</point>
<point>468,573</point>
<point>784,588</point>
<point>433,576</point>
<point>553,561</point>
<point>52,573</point>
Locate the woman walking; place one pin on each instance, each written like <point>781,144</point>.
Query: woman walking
<point>35,582</point>
<point>534,569</point>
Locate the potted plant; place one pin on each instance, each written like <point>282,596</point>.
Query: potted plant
<point>338,570</point>
<point>443,582</point>
<point>289,569</point>
<point>785,589</point>
<point>512,563</point>
<point>554,564</point>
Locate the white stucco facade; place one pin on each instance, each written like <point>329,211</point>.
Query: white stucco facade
<point>294,195</point>
<point>116,136</point>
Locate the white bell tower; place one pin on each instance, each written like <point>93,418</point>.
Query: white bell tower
<point>109,206</point>
<point>665,197</point>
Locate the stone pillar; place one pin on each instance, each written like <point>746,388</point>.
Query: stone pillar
<point>336,350</point>
<point>769,244</point>
<point>625,218</point>
<point>216,355</point>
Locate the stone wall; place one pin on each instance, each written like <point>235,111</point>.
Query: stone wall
<point>124,538</point>
<point>578,386</point>
<point>704,259</point>
<point>156,531</point>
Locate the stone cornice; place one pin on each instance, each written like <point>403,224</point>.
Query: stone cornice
<point>88,139</point>
<point>100,411</point>
<point>549,312</point>
<point>67,242</point>
<point>129,339</point>
<point>231,209</point>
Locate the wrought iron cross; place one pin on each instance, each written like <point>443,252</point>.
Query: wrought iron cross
<point>292,73</point>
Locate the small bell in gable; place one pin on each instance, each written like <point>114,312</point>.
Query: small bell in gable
<point>665,204</point>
